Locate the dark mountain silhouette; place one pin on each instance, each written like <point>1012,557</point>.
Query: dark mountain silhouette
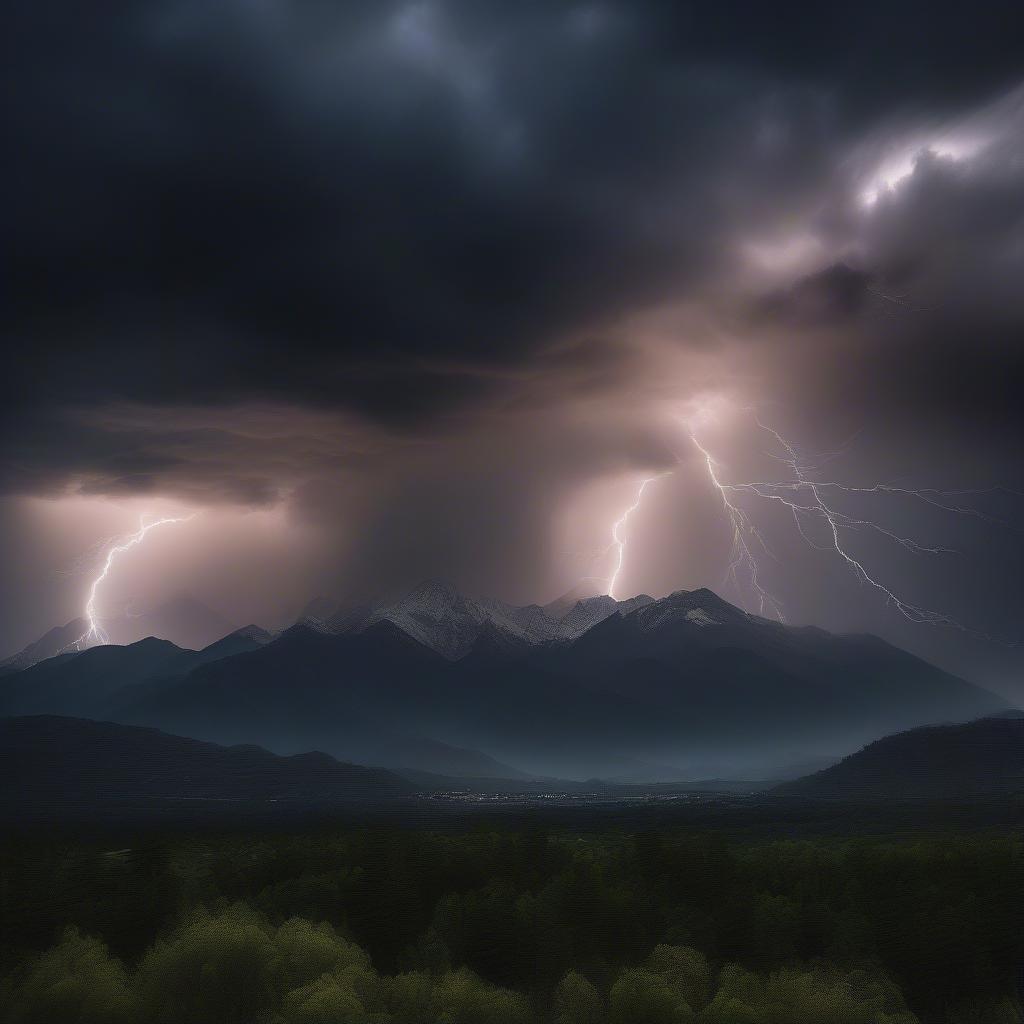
<point>698,653</point>
<point>85,683</point>
<point>312,689</point>
<point>984,758</point>
<point>58,640</point>
<point>52,765</point>
<point>99,679</point>
<point>183,621</point>
<point>689,683</point>
<point>248,638</point>
<point>284,700</point>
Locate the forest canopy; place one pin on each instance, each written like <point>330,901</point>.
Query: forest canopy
<point>408,927</point>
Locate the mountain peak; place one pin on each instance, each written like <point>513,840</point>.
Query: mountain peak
<point>701,608</point>
<point>438,615</point>
<point>59,640</point>
<point>435,614</point>
<point>583,591</point>
<point>632,603</point>
<point>253,632</point>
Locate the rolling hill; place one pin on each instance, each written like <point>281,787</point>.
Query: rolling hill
<point>53,766</point>
<point>972,760</point>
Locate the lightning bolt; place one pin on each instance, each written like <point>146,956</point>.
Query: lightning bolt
<point>742,556</point>
<point>618,539</point>
<point>96,635</point>
<point>811,500</point>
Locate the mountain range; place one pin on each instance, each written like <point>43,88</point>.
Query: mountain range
<point>182,620</point>
<point>687,686</point>
<point>437,615</point>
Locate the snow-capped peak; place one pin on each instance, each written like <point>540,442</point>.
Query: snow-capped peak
<point>439,616</point>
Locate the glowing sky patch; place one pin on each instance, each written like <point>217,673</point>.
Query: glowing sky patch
<point>619,534</point>
<point>96,635</point>
<point>900,166</point>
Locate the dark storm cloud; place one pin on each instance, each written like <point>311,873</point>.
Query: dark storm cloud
<point>259,196</point>
<point>244,200</point>
<point>827,296</point>
<point>422,278</point>
<point>204,465</point>
<point>422,271</point>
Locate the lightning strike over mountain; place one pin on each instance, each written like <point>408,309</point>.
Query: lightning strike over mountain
<point>618,540</point>
<point>811,501</point>
<point>96,635</point>
<point>742,556</point>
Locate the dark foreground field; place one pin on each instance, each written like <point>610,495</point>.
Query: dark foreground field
<point>707,912</point>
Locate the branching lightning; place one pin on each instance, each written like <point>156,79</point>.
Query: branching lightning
<point>813,501</point>
<point>742,557</point>
<point>96,635</point>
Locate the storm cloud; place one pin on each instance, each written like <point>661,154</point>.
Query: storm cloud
<point>425,275</point>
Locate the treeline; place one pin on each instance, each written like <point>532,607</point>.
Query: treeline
<point>395,926</point>
<point>234,967</point>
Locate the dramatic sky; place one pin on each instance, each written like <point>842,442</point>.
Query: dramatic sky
<point>389,291</point>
